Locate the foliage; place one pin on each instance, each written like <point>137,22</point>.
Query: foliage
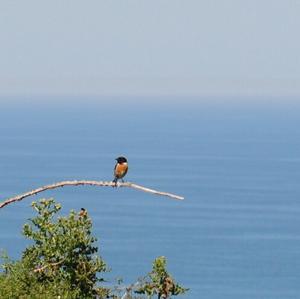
<point>62,262</point>
<point>62,258</point>
<point>159,282</point>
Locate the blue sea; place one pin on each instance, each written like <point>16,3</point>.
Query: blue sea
<point>236,161</point>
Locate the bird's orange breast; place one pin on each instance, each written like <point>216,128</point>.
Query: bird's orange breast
<point>121,170</point>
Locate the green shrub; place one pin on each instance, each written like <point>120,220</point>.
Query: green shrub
<point>159,282</point>
<point>63,262</point>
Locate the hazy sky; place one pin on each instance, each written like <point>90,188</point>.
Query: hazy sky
<point>150,47</point>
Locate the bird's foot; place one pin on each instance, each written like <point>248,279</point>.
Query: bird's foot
<point>116,183</point>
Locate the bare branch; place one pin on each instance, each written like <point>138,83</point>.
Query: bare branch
<point>91,183</point>
<point>41,269</point>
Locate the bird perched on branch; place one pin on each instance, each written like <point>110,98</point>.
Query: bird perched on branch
<point>120,170</point>
<point>83,212</point>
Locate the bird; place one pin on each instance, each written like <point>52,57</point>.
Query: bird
<point>120,169</point>
<point>83,212</point>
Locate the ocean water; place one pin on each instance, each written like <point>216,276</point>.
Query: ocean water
<point>236,162</point>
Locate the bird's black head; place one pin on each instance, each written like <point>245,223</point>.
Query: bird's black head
<point>121,160</point>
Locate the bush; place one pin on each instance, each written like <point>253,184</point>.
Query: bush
<point>63,262</point>
<point>159,282</point>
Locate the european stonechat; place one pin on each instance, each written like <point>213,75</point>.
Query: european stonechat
<point>121,169</point>
<point>83,212</point>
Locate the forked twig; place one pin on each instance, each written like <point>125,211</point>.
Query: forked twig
<point>91,183</point>
<point>41,269</point>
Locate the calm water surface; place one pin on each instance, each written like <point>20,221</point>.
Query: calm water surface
<point>238,165</point>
